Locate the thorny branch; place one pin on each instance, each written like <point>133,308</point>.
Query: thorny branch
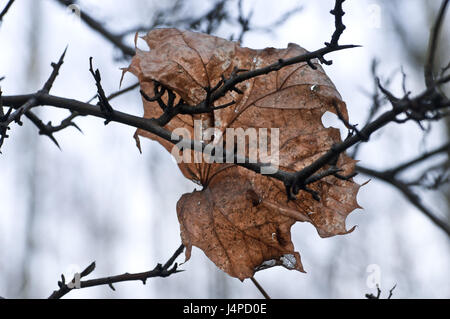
<point>209,22</point>
<point>103,101</point>
<point>378,296</point>
<point>25,108</point>
<point>245,24</point>
<point>426,106</point>
<point>214,94</point>
<point>432,45</point>
<point>169,268</point>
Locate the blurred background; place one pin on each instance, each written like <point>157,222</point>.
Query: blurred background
<point>99,199</point>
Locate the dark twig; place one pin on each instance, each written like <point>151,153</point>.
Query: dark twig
<point>27,105</point>
<point>56,67</point>
<point>391,176</point>
<point>208,22</point>
<point>213,18</point>
<point>158,19</point>
<point>352,128</point>
<point>378,296</point>
<point>407,192</point>
<point>5,10</point>
<point>372,296</point>
<point>1,104</point>
<point>391,291</point>
<point>230,84</point>
<point>260,288</point>
<point>432,45</point>
<point>443,70</point>
<point>400,168</point>
<point>378,101</point>
<point>244,21</point>
<point>103,101</point>
<point>338,13</point>
<point>245,24</point>
<point>159,271</point>
<point>117,93</point>
<point>416,109</point>
<point>48,129</point>
<point>32,102</point>
<point>433,177</point>
<point>43,130</point>
<point>3,127</point>
<point>123,91</point>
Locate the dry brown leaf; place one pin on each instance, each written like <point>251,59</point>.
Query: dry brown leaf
<point>242,220</point>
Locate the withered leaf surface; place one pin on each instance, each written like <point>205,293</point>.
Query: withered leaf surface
<point>242,220</point>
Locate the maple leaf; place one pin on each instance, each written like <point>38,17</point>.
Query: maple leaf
<point>241,220</point>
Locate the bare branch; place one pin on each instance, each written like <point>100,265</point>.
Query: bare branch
<point>123,91</point>
<point>407,192</point>
<point>48,129</point>
<point>260,288</point>
<point>159,271</point>
<point>246,25</point>
<point>118,93</point>
<point>433,177</point>
<point>378,296</point>
<point>338,13</point>
<point>5,10</point>
<point>56,67</point>
<point>432,45</point>
<point>27,105</point>
<point>103,101</point>
<point>400,168</point>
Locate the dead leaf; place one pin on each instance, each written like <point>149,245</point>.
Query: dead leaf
<point>241,220</point>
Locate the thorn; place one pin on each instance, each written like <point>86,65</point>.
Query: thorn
<point>89,269</point>
<point>54,140</point>
<point>77,127</point>
<point>311,65</point>
<point>235,89</point>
